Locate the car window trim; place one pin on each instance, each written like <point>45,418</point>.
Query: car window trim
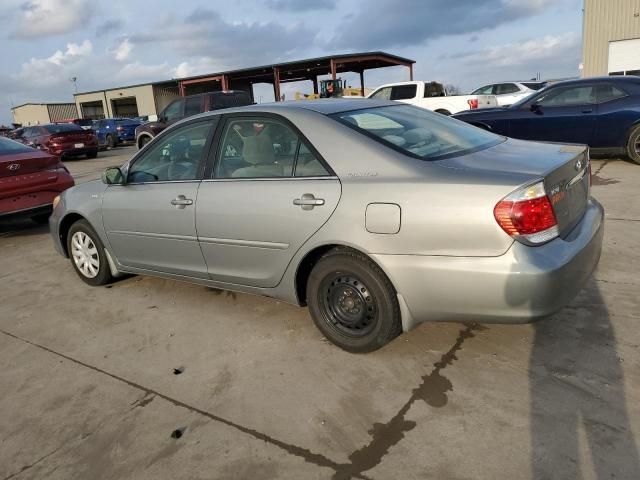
<point>175,126</point>
<point>626,94</point>
<point>227,117</point>
<point>566,87</point>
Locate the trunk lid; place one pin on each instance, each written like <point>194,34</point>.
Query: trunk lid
<point>25,163</point>
<point>76,136</point>
<point>564,169</point>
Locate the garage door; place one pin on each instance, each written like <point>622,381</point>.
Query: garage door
<point>624,56</point>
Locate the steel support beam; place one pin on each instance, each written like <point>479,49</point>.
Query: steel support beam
<point>276,83</point>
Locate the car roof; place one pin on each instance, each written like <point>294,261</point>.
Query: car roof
<point>622,79</point>
<point>326,106</point>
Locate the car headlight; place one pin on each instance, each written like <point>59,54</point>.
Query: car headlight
<point>56,201</point>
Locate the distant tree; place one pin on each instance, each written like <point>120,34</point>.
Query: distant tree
<point>452,89</point>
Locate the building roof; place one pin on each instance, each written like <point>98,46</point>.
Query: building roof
<point>42,103</point>
<point>291,71</point>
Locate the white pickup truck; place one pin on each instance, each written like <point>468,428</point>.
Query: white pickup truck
<point>432,96</point>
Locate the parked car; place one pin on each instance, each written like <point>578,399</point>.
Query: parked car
<point>187,106</point>
<point>29,181</point>
<point>508,93</point>
<point>603,113</point>
<point>115,131</point>
<point>62,139</point>
<point>377,215</point>
<point>85,123</point>
<point>432,96</point>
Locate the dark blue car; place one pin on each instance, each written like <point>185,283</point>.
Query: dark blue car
<point>115,131</point>
<point>602,112</point>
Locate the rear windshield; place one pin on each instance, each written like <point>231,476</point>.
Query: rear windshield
<point>62,127</point>
<point>534,86</point>
<point>9,147</point>
<point>85,122</point>
<point>418,132</point>
<point>127,122</point>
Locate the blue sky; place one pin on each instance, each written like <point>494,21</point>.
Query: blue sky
<point>108,44</point>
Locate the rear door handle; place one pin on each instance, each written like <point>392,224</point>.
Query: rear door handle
<point>308,201</point>
<point>181,201</point>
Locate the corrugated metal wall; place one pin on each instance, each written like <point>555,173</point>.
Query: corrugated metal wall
<point>62,111</point>
<point>605,21</point>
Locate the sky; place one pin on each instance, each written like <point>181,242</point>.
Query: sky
<point>466,43</point>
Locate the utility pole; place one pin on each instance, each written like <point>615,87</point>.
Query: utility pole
<point>75,82</point>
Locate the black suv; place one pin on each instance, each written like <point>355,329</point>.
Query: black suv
<point>188,106</point>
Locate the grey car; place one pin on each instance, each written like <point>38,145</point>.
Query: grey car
<point>376,215</point>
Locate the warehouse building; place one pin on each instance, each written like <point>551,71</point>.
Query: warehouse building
<point>152,98</point>
<point>41,113</point>
<point>611,38</point>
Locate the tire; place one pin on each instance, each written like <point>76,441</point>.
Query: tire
<point>143,141</point>
<point>110,142</point>
<point>340,285</point>
<point>633,145</point>
<point>95,268</point>
<point>92,155</point>
<point>442,111</point>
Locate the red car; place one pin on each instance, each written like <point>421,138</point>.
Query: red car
<point>62,139</point>
<point>29,180</point>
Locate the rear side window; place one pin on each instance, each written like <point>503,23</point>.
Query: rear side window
<point>403,92</point>
<point>506,88</point>
<point>418,132</point>
<point>486,90</point>
<point>606,93</point>
<point>192,106</point>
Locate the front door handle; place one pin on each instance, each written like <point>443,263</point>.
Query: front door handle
<point>181,201</point>
<point>308,201</point>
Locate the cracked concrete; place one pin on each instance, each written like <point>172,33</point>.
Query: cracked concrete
<point>89,390</point>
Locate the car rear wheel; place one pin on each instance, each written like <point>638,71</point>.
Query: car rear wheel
<point>352,302</point>
<point>633,145</point>
<point>110,142</point>
<point>87,255</point>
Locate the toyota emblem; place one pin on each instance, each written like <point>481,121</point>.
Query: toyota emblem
<point>13,167</point>
<point>578,164</point>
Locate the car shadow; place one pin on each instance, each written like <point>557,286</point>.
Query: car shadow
<point>578,406</point>
<point>20,227</point>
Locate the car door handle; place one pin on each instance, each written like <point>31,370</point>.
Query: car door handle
<point>308,201</point>
<point>587,111</point>
<point>181,201</point>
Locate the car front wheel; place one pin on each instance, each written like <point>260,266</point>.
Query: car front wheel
<point>352,302</point>
<point>633,145</point>
<point>87,255</point>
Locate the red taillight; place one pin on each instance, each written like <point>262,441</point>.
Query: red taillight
<point>527,214</point>
<point>473,103</point>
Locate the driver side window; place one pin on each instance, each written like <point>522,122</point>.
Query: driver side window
<point>173,157</point>
<point>568,96</point>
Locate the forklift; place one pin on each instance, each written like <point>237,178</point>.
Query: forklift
<point>332,88</point>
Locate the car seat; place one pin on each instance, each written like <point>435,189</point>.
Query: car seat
<point>258,151</point>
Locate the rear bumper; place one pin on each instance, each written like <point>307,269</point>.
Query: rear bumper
<point>524,284</point>
<point>72,152</point>
<point>35,199</point>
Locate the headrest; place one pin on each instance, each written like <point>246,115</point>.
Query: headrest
<point>258,149</point>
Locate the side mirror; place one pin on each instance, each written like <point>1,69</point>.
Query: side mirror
<point>113,176</point>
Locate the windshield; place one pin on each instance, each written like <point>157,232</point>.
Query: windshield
<point>418,132</point>
<point>127,122</point>
<point>85,122</point>
<point>10,147</point>
<point>62,127</point>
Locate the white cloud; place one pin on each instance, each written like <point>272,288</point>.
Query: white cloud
<point>140,72</point>
<point>123,50</point>
<point>198,66</point>
<point>43,18</point>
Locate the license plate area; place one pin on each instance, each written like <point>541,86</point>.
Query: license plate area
<point>78,145</point>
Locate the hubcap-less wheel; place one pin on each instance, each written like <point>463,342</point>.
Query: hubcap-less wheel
<point>349,306</point>
<point>85,254</point>
<point>637,145</point>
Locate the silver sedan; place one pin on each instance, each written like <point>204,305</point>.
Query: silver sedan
<point>376,215</point>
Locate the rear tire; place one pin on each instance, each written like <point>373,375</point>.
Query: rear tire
<point>352,302</point>
<point>143,141</point>
<point>87,255</point>
<point>110,142</point>
<point>633,145</point>
<point>442,111</point>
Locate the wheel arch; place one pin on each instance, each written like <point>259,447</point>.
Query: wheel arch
<point>141,136</point>
<point>305,266</point>
<point>65,225</point>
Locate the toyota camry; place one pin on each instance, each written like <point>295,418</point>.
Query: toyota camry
<point>376,215</point>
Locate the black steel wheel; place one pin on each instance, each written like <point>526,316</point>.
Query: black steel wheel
<point>633,145</point>
<point>352,302</point>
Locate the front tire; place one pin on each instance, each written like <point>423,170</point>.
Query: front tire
<point>633,145</point>
<point>87,255</point>
<point>352,302</point>
<point>143,141</point>
<point>110,142</point>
